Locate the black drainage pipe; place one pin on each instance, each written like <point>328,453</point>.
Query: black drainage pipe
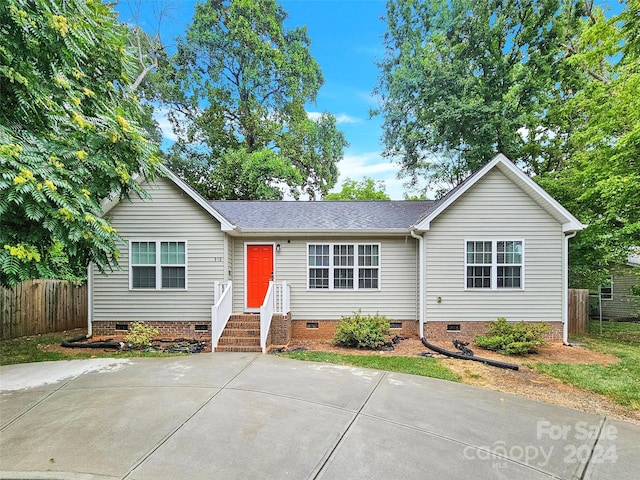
<point>73,343</point>
<point>494,363</point>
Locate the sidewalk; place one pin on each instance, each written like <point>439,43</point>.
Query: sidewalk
<point>254,416</point>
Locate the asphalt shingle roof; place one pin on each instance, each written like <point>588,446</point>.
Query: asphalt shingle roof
<point>324,215</point>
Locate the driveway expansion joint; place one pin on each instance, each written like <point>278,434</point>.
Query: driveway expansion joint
<point>327,457</point>
<point>184,422</point>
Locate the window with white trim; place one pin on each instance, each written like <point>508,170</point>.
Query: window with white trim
<point>494,264</point>
<point>344,266</point>
<point>158,265</point>
<point>606,290</point>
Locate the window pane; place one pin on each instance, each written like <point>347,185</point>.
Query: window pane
<point>478,277</point>
<point>368,278</point>
<point>318,278</point>
<point>509,252</point>
<point>173,277</point>
<point>343,255</point>
<point>143,253</point>
<point>368,255</point>
<point>318,255</point>
<point>143,277</point>
<point>606,291</point>
<point>509,277</point>
<point>343,278</point>
<point>172,253</point>
<point>479,252</point>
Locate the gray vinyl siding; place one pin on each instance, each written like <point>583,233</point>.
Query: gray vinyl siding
<point>397,297</point>
<point>494,209</point>
<point>169,215</point>
<point>623,304</point>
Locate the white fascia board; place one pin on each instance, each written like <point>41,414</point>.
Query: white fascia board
<point>226,226</point>
<point>572,224</point>
<point>318,231</point>
<point>425,223</point>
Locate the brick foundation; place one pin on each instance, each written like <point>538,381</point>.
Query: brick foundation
<point>326,329</point>
<point>280,331</point>
<point>170,330</point>
<point>468,330</point>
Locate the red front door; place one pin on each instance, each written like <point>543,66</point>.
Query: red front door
<point>259,272</point>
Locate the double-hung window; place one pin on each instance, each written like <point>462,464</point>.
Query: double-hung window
<point>606,290</point>
<point>344,266</point>
<point>494,264</point>
<point>158,265</point>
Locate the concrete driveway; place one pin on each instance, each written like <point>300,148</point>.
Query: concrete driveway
<point>253,416</point>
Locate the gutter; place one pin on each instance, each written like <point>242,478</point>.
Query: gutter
<point>89,300</point>
<point>565,289</point>
<point>421,281</point>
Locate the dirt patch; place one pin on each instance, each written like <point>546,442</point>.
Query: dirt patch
<point>178,345</point>
<point>525,382</point>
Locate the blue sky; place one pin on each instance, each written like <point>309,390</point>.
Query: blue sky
<point>346,40</point>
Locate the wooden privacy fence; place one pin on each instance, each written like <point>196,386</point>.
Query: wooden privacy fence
<point>578,311</point>
<point>42,306</point>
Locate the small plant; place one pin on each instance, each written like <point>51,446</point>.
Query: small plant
<point>513,338</point>
<point>362,331</point>
<point>140,335</point>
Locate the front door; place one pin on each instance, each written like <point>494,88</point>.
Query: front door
<point>259,273</point>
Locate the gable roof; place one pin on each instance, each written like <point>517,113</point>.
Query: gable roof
<point>354,217</point>
<point>520,179</point>
<point>109,203</point>
<point>326,216</point>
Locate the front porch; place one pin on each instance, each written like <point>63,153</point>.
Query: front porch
<point>250,332</point>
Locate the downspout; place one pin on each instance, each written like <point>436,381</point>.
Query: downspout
<point>565,288</point>
<point>89,300</point>
<point>420,281</point>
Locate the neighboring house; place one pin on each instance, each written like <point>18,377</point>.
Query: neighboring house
<point>620,299</point>
<point>495,246</point>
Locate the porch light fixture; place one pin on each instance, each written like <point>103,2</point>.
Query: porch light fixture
<point>277,247</point>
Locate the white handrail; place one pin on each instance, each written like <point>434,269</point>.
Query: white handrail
<point>221,311</point>
<point>282,294</point>
<point>266,313</point>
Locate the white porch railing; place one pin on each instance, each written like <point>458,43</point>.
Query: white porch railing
<point>276,300</point>
<point>218,290</point>
<point>221,310</point>
<point>282,294</point>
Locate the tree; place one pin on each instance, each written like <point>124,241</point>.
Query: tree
<point>69,136</point>
<point>237,92</point>
<point>366,189</point>
<point>601,180</point>
<point>464,80</point>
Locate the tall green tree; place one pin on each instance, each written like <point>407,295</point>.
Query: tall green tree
<point>237,91</point>
<point>365,189</point>
<point>69,135</point>
<point>463,80</point>
<point>600,182</point>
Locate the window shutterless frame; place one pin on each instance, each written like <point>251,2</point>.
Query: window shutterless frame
<point>494,264</point>
<point>606,290</point>
<point>158,265</point>
<point>343,266</point>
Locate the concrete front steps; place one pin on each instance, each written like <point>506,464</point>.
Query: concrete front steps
<point>242,334</point>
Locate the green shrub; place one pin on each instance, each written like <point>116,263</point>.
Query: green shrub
<point>362,331</point>
<point>513,338</point>
<point>140,335</point>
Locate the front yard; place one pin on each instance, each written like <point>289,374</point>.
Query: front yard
<point>602,376</point>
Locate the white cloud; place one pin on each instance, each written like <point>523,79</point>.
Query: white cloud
<point>160,115</point>
<point>356,166</point>
<point>340,117</point>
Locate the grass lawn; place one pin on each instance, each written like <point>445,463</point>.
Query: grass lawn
<point>619,381</point>
<point>29,349</point>
<point>427,367</point>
